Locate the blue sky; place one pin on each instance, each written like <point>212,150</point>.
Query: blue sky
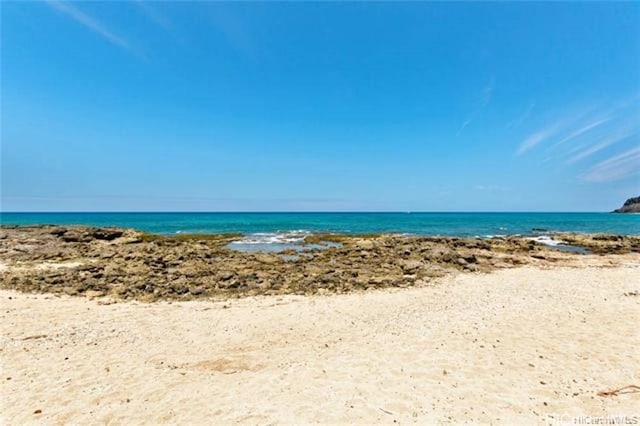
<point>320,106</point>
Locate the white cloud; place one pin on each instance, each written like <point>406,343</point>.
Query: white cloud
<point>598,147</point>
<point>518,121</point>
<point>582,130</point>
<point>487,94</point>
<point>89,22</point>
<point>537,137</point>
<point>464,125</point>
<point>154,14</point>
<point>621,166</point>
<point>547,133</point>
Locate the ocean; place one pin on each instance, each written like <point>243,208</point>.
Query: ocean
<point>274,225</point>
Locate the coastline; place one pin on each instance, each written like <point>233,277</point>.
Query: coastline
<point>128,264</point>
<point>526,344</point>
<point>375,329</point>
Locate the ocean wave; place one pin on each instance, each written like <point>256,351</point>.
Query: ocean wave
<point>287,237</point>
<point>547,240</point>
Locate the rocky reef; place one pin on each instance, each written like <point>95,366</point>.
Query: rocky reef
<point>632,205</point>
<point>127,264</point>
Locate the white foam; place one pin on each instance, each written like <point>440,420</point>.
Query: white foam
<point>289,237</point>
<point>547,240</point>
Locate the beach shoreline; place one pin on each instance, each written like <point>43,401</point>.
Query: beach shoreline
<point>128,264</point>
<point>374,329</point>
<point>529,344</point>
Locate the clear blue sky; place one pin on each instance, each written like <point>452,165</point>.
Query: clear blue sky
<point>320,106</point>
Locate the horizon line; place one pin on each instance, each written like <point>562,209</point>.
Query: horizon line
<point>295,211</point>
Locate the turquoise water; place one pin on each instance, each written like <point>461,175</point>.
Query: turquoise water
<point>274,226</point>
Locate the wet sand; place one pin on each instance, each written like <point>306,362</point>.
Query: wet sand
<point>513,345</point>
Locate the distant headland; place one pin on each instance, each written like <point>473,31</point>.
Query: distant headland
<point>632,205</point>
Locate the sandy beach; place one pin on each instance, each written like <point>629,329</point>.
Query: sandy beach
<point>319,213</point>
<point>524,345</point>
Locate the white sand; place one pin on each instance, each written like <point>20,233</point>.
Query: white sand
<point>514,345</point>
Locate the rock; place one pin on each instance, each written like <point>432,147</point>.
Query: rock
<point>226,276</point>
<point>180,289</point>
<point>410,266</point>
<point>97,261</point>
<point>365,245</point>
<point>75,237</point>
<point>268,259</point>
<point>94,293</point>
<point>58,231</point>
<point>179,286</point>
<point>471,258</point>
<point>441,254</point>
<point>196,290</point>
<point>107,234</point>
<point>229,284</point>
<point>70,291</point>
<point>377,280</point>
<point>606,237</point>
<point>632,205</point>
<point>190,270</point>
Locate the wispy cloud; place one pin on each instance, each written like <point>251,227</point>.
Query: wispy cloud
<point>590,133</point>
<point>89,22</point>
<point>545,134</point>
<point>518,121</point>
<point>485,99</point>
<point>582,130</point>
<point>537,137</point>
<point>237,32</point>
<point>599,147</point>
<point>487,92</point>
<point>465,123</point>
<point>619,167</point>
<point>154,15</point>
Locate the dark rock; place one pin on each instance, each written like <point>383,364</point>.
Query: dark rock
<point>608,237</point>
<point>632,205</point>
<point>226,276</point>
<point>58,231</point>
<point>106,233</point>
<point>229,284</point>
<point>75,237</point>
<point>470,258</point>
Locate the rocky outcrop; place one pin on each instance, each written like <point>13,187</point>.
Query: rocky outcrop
<point>632,205</point>
<point>127,264</point>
